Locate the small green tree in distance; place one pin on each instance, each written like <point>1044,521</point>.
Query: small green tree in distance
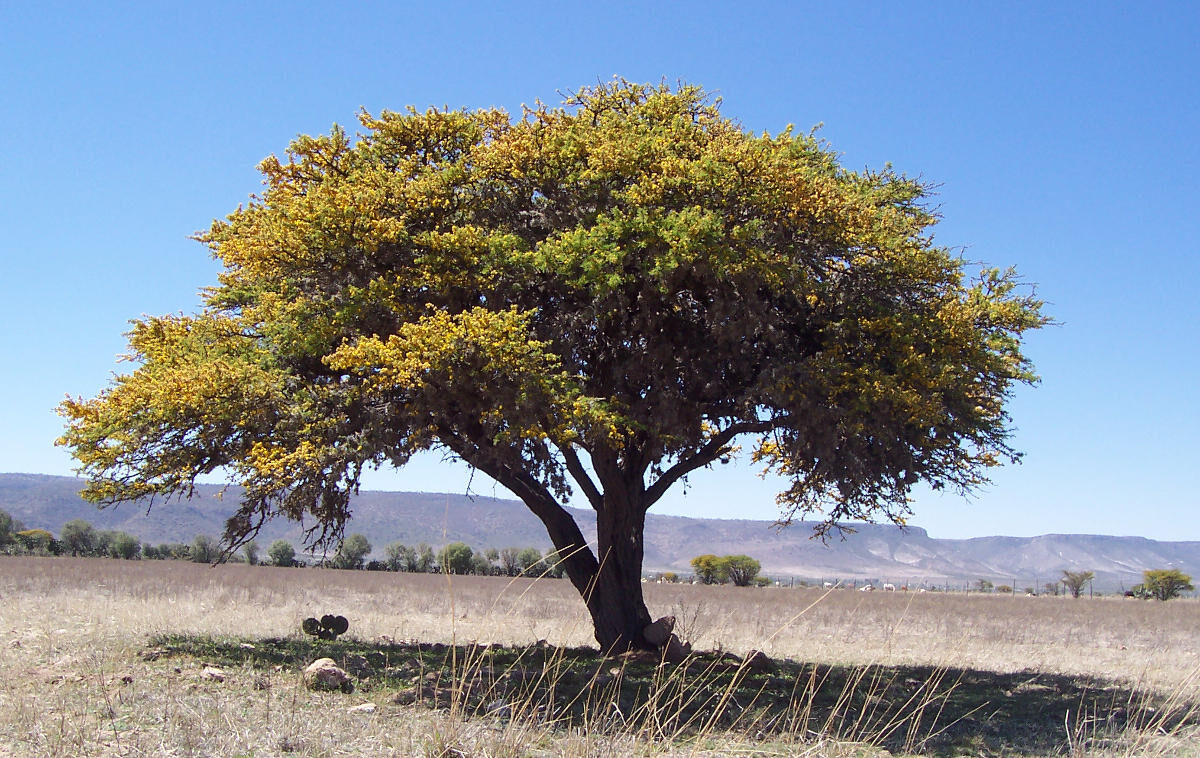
<point>1164,584</point>
<point>455,558</point>
<point>352,552</point>
<point>595,300</point>
<point>1075,581</point>
<point>742,570</point>
<point>709,569</point>
<point>78,537</point>
<point>281,553</point>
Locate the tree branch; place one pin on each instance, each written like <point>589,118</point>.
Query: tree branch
<point>580,475</point>
<point>705,455</point>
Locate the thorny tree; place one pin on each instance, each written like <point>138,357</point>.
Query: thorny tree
<point>599,298</point>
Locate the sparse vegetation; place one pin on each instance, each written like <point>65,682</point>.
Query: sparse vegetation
<point>1075,581</point>
<point>851,674</point>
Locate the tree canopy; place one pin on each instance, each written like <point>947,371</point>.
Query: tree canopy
<point>597,300</point>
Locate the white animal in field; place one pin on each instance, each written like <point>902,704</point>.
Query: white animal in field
<point>889,587</point>
<point>866,588</point>
<point>828,585</point>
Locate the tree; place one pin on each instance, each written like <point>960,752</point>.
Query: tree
<point>1075,581</point>
<point>250,551</point>
<point>353,551</point>
<point>205,549</point>
<point>509,563</point>
<point>425,560</point>
<point>709,568</point>
<point>125,545</point>
<point>398,556</point>
<point>742,570</point>
<point>36,541</point>
<point>8,528</point>
<point>455,558</point>
<point>983,585</point>
<point>1165,584</point>
<point>281,553</point>
<point>598,300</point>
<point>78,537</point>
<point>529,560</point>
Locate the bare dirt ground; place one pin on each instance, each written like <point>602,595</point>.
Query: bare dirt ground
<point>76,682</point>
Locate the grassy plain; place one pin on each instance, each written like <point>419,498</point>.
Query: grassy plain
<point>107,658</point>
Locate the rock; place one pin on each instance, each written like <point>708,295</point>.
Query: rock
<point>213,673</point>
<point>757,660</point>
<point>14,643</point>
<point>324,674</point>
<point>676,650</point>
<point>659,632</point>
<point>245,646</point>
<point>358,665</point>
<point>423,691</point>
<point>364,708</point>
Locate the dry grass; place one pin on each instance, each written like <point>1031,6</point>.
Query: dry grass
<point>74,684</point>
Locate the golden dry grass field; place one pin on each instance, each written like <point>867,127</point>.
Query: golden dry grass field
<point>106,658</point>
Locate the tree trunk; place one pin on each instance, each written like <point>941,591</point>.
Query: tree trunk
<point>616,604</point>
<point>611,587</point>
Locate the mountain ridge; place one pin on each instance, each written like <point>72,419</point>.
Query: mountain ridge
<point>871,552</point>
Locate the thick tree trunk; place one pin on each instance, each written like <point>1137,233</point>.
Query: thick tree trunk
<point>616,604</point>
<point>611,586</point>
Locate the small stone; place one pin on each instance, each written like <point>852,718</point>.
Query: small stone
<point>324,674</point>
<point>364,708</point>
<point>246,646</point>
<point>213,673</point>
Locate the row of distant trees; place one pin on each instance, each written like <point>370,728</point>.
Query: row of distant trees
<point>739,570</point>
<point>1157,584</point>
<point>81,538</point>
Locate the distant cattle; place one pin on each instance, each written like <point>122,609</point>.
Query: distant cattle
<point>889,587</point>
<point>866,588</point>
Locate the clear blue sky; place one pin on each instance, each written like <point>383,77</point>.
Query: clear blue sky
<point>1064,137</point>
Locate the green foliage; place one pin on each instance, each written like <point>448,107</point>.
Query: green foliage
<point>205,549</point>
<point>742,570</point>
<point>281,553</point>
<point>125,546</point>
<point>36,541</point>
<point>78,537</point>
<point>1164,584</point>
<point>8,528</point>
<point>529,561</point>
<point>399,557</point>
<point>481,565</point>
<point>250,552</point>
<point>425,561</point>
<point>709,569</point>
<point>670,577</point>
<point>456,558</point>
<point>352,552</point>
<point>1075,581</point>
<point>615,290</point>
<point>984,585</point>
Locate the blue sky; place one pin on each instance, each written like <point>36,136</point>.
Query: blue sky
<point>1063,137</point>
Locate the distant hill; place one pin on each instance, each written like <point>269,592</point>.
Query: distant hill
<point>876,552</point>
